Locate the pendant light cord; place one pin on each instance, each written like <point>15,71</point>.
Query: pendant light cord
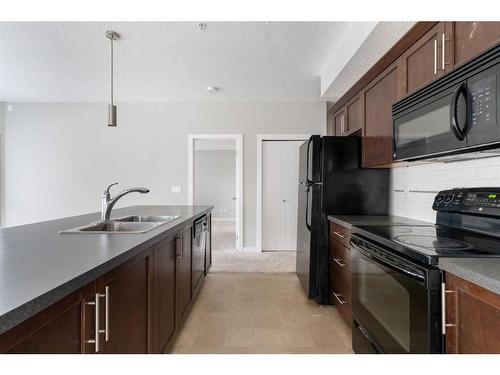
<point>111,91</point>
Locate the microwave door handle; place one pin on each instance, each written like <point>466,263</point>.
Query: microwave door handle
<point>387,263</point>
<point>455,128</point>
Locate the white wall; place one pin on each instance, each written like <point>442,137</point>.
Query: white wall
<point>414,187</point>
<point>215,181</point>
<point>59,157</point>
<point>378,42</point>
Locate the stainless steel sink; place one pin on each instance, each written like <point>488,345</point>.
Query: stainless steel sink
<point>126,224</point>
<point>147,219</point>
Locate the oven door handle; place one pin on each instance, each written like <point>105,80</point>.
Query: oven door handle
<point>386,262</point>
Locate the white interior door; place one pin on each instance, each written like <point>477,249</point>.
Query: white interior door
<point>280,173</point>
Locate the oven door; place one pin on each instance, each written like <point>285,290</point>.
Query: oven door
<point>392,302</point>
<point>426,128</point>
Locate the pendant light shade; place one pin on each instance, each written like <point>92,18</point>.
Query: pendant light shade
<point>112,36</point>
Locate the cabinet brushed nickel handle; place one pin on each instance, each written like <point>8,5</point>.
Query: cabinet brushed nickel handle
<point>106,301</point>
<point>444,291</point>
<point>443,54</point>
<point>180,255</point>
<point>435,56</point>
<point>95,341</point>
<point>339,234</point>
<point>337,296</point>
<point>443,41</point>
<point>339,262</point>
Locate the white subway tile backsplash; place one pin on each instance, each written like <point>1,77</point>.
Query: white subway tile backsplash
<point>414,187</point>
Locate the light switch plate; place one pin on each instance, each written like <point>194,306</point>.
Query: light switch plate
<point>176,189</point>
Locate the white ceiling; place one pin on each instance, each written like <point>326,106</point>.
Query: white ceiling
<point>166,61</point>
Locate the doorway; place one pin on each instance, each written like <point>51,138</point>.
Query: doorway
<point>215,179</point>
<point>277,191</point>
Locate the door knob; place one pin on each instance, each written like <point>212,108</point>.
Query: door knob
<point>234,198</point>
<point>284,200</point>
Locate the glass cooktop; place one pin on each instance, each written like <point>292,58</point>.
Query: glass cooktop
<point>435,241</point>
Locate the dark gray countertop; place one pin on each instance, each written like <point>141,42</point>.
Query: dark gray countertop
<point>39,266</point>
<point>480,271</point>
<point>349,221</point>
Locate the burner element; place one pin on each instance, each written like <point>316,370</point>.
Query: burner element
<point>432,243</point>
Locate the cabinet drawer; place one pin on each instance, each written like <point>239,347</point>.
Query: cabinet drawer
<point>340,261</point>
<point>340,296</point>
<point>340,233</point>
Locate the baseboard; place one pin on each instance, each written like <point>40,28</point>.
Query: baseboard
<point>250,249</point>
<point>222,219</point>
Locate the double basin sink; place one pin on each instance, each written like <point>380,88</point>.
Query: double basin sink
<point>126,224</point>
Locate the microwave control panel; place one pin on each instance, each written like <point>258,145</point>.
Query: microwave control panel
<point>474,201</point>
<point>483,103</point>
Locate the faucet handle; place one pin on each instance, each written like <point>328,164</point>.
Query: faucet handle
<point>106,191</point>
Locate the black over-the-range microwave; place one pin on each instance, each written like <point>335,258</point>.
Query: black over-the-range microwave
<point>454,115</point>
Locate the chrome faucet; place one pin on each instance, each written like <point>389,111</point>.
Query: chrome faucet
<point>108,202</point>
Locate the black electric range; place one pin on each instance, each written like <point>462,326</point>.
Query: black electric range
<point>396,286</point>
<point>427,243</point>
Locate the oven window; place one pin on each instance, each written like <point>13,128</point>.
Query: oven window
<point>386,300</point>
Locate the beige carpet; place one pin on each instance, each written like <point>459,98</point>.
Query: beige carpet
<point>226,259</point>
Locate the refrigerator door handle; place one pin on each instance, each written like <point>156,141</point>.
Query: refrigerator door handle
<point>307,161</point>
<point>307,208</point>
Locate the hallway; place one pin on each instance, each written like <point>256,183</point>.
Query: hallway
<point>226,259</point>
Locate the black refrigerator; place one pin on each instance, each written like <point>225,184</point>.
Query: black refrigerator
<point>331,181</point>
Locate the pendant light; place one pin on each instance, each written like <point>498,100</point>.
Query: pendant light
<point>111,35</point>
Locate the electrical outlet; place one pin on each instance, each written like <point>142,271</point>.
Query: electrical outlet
<point>176,189</point>
<point>9,107</point>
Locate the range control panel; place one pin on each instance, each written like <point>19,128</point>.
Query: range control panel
<point>480,201</point>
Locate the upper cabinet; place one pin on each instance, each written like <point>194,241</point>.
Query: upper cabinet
<point>349,119</point>
<point>425,53</point>
<point>425,60</point>
<point>377,137</point>
<point>469,39</point>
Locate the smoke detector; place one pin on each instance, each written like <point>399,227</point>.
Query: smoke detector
<point>202,26</point>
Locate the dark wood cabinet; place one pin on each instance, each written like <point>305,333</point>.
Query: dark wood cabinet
<point>137,306</point>
<point>60,329</point>
<point>469,39</point>
<point>427,52</point>
<point>354,111</point>
<point>472,317</point>
<point>125,306</point>
<point>164,293</point>
<point>183,272</point>
<point>340,270</point>
<point>340,123</point>
<point>423,61</point>
<point>377,136</point>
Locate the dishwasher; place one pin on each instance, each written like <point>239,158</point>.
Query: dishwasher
<point>200,230</point>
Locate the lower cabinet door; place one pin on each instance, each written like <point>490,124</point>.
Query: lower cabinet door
<point>183,272</point>
<point>124,306</point>
<point>164,300</point>
<point>472,318</point>
<point>60,329</point>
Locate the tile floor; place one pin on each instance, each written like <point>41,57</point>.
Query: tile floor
<point>260,313</point>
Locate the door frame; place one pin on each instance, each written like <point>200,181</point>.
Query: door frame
<point>238,138</point>
<point>260,139</point>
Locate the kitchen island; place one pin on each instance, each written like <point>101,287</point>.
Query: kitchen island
<point>96,280</point>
